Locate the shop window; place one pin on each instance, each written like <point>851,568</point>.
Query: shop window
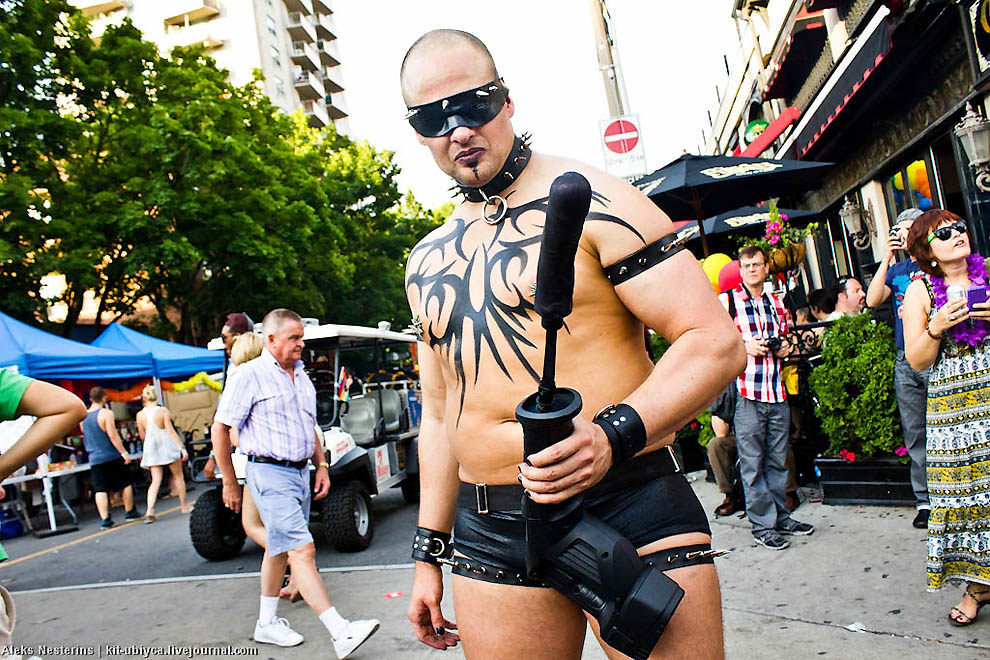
<point>910,187</point>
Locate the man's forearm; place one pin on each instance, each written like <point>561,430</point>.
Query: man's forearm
<point>437,477</point>
<point>318,455</point>
<point>38,439</point>
<point>691,374</point>
<point>877,292</point>
<point>220,437</point>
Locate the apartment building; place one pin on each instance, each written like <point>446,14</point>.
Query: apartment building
<point>876,87</point>
<point>293,42</point>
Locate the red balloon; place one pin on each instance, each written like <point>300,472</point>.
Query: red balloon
<point>729,277</point>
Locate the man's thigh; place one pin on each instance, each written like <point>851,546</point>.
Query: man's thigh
<point>502,622</point>
<point>282,500</point>
<point>695,630</point>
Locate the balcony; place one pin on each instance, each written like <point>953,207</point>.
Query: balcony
<point>301,28</point>
<point>315,113</point>
<point>301,6</point>
<point>332,80</point>
<point>329,53</point>
<point>322,7</point>
<point>308,85</point>
<point>192,35</point>
<point>326,29</point>
<point>305,55</point>
<point>191,11</point>
<point>94,8</point>
<point>336,106</point>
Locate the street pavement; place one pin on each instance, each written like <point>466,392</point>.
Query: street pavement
<point>855,589</point>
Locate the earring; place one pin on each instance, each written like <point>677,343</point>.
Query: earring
<point>934,264</point>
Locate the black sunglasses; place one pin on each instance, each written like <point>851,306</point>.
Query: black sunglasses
<point>945,233</point>
<point>475,107</point>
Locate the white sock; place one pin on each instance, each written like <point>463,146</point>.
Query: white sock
<point>334,623</point>
<point>268,606</point>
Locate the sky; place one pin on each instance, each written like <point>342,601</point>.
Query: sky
<point>670,53</point>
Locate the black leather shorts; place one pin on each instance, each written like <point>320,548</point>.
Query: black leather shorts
<point>656,509</point>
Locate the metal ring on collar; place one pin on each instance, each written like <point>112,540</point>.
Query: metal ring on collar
<point>499,213</point>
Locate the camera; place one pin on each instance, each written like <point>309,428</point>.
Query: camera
<point>774,344</point>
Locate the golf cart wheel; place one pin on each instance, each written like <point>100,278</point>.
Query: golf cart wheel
<point>348,517</point>
<point>410,489</point>
<point>215,530</point>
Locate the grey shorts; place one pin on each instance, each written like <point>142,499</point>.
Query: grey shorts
<point>283,498</point>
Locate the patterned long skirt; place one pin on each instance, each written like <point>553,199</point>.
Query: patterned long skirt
<point>958,453</point>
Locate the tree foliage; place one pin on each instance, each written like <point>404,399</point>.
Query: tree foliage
<point>142,176</point>
<point>855,388</point>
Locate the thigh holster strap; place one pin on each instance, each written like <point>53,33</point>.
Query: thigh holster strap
<point>479,570</point>
<point>681,556</point>
<point>644,259</point>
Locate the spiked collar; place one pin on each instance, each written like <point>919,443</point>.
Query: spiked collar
<point>511,169</point>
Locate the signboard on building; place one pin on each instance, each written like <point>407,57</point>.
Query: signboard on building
<point>622,146</point>
<point>979,21</point>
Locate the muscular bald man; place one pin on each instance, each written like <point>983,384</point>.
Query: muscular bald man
<point>471,287</point>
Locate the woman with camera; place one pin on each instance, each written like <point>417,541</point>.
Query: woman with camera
<point>947,327</point>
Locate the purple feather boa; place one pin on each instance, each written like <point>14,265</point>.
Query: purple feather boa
<point>974,331</point>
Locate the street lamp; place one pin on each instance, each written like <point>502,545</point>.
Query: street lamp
<point>853,217</point>
<point>974,134</point>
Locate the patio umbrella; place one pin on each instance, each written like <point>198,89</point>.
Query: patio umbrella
<point>694,187</point>
<point>740,218</point>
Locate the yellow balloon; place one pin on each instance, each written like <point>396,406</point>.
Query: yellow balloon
<point>899,181</point>
<point>713,264</point>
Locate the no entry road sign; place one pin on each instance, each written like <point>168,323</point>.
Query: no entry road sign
<point>621,146</point>
<point>621,136</point>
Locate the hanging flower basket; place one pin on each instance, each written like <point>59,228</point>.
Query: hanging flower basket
<point>787,258</point>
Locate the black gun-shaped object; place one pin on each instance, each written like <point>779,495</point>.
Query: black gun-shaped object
<point>576,554</point>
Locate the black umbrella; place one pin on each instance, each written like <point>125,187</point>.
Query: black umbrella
<point>741,218</point>
<point>694,187</point>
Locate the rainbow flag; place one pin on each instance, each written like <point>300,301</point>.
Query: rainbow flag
<point>343,394</point>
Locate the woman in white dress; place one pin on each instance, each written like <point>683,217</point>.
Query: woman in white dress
<point>162,447</point>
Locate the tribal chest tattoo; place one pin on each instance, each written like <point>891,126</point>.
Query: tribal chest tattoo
<point>442,268</point>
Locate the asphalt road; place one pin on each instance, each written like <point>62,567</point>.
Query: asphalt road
<point>138,551</point>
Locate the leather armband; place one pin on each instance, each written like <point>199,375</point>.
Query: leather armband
<point>644,259</point>
<point>624,429</point>
<point>431,546</point>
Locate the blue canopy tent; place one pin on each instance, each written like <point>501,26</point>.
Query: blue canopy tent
<point>170,359</point>
<point>40,354</point>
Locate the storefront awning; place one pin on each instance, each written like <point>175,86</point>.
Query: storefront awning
<point>802,49</point>
<point>772,132</point>
<point>846,80</point>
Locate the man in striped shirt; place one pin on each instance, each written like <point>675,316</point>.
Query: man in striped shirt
<point>762,418</point>
<point>272,403</point>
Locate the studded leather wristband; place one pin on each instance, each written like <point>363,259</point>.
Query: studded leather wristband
<point>624,429</point>
<point>431,546</point>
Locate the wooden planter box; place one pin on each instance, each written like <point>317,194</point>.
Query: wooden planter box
<point>879,481</point>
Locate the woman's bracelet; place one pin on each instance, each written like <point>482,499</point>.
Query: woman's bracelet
<point>929,331</point>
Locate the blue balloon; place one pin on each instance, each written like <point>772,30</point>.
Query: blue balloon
<point>924,203</point>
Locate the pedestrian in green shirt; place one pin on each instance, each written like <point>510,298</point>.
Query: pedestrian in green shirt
<point>58,412</point>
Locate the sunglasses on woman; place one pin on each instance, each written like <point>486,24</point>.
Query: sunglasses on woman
<point>945,233</point>
<point>473,108</point>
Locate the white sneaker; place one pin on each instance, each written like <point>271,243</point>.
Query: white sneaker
<point>278,632</point>
<point>354,635</point>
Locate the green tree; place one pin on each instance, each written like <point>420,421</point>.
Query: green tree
<point>142,176</point>
<point>38,39</point>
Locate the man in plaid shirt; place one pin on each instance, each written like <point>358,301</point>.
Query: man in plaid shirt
<point>762,418</point>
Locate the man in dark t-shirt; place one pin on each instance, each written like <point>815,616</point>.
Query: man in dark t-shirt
<point>891,281</point>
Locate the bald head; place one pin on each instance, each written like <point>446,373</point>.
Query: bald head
<point>438,42</point>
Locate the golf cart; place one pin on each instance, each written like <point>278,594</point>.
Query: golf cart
<point>369,437</point>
